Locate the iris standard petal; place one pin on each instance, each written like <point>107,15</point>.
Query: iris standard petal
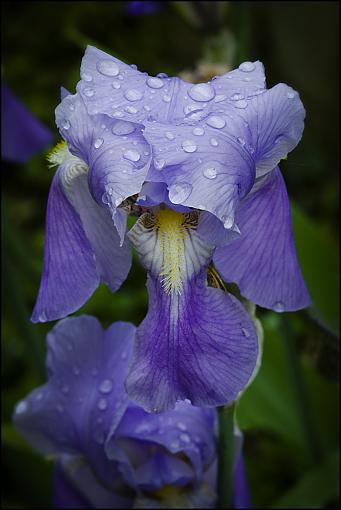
<point>204,166</point>
<point>82,246</point>
<point>196,342</point>
<point>22,134</point>
<point>84,398</point>
<point>263,260</point>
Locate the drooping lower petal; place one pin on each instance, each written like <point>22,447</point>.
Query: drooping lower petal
<point>263,260</point>
<point>196,342</point>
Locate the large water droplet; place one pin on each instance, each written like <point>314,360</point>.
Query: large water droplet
<point>133,95</point>
<point>214,142</point>
<point>98,142</point>
<point>202,92</point>
<point>132,155</point>
<point>159,163</point>
<point>102,404</point>
<point>241,103</point>
<point>278,307</point>
<point>189,146</point>
<point>122,128</point>
<point>155,83</point>
<point>107,68</point>
<point>88,92</point>
<point>247,67</point>
<point>198,131</point>
<point>130,109</point>
<point>106,386</point>
<point>210,172</point>
<point>178,193</point>
<point>228,222</point>
<point>22,407</point>
<point>116,85</point>
<point>216,122</point>
<point>166,98</point>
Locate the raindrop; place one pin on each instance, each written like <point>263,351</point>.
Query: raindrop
<point>162,75</point>
<point>241,103</point>
<point>102,404</point>
<point>106,386</point>
<point>178,193</point>
<point>155,83</point>
<point>116,85</point>
<point>228,222</point>
<point>245,332</point>
<point>216,122</point>
<point>191,109</point>
<point>130,109</point>
<point>290,95</point>
<point>241,141</point>
<point>214,142</point>
<point>167,99</point>
<point>170,135</point>
<point>202,92</point>
<point>72,106</point>
<point>278,306</point>
<point>133,95</point>
<point>175,445</point>
<point>98,142</point>
<point>236,97</point>
<point>22,407</point>
<point>122,128</point>
<point>185,438</point>
<point>159,163</point>
<point>107,68</point>
<point>66,124</point>
<point>189,146</point>
<point>42,317</point>
<point>146,107</point>
<point>198,131</point>
<point>118,113</point>
<point>86,77</point>
<point>219,98</point>
<point>247,67</point>
<point>181,426</point>
<point>88,92</point>
<point>132,155</point>
<point>210,172</point>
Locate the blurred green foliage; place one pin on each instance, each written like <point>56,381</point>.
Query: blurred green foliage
<point>289,415</point>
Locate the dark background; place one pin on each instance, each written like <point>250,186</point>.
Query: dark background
<point>289,415</point>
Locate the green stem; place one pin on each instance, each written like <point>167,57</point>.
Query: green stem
<point>225,455</point>
<point>303,401</point>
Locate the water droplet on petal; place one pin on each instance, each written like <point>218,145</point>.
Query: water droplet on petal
<point>178,193</point>
<point>245,332</point>
<point>133,95</point>
<point>247,67</point>
<point>39,396</point>
<point>241,103</point>
<point>202,92</point>
<point>155,83</point>
<point>175,445</point>
<point>132,155</point>
<point>216,122</point>
<point>146,107</point>
<point>130,109</point>
<point>198,131</point>
<point>107,68</point>
<point>159,163</point>
<point>219,98</point>
<point>42,317</point>
<point>88,92</point>
<point>214,142</point>
<point>236,97</point>
<point>185,438</point>
<point>241,141</point>
<point>106,386</point>
<point>181,426</point>
<point>66,124</point>
<point>290,95</point>
<point>98,142</point>
<point>21,407</point>
<point>192,109</point>
<point>189,146</point>
<point>122,128</point>
<point>118,113</point>
<point>210,172</point>
<point>278,306</point>
<point>86,77</point>
<point>167,99</point>
<point>72,106</point>
<point>170,135</point>
<point>116,85</point>
<point>102,404</point>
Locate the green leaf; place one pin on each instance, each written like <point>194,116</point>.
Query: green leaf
<point>316,489</point>
<point>319,258</point>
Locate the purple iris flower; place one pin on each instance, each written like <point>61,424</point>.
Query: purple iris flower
<point>22,134</point>
<point>142,8</point>
<point>198,165</point>
<point>111,453</point>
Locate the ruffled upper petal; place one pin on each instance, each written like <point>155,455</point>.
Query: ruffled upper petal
<point>196,342</point>
<point>263,260</point>
<point>84,398</point>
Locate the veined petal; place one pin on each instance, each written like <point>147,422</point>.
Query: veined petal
<point>263,260</point>
<point>84,398</point>
<point>196,342</point>
<point>82,246</point>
